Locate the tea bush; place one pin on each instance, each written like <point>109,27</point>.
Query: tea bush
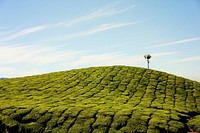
<point>112,99</point>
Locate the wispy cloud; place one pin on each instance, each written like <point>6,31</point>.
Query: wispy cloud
<point>23,60</point>
<point>113,58</point>
<point>100,28</point>
<point>179,42</point>
<point>102,12</point>
<point>9,72</point>
<point>25,32</point>
<point>104,59</point>
<point>190,59</point>
<point>35,55</point>
<point>6,32</point>
<point>6,69</point>
<point>164,54</point>
<point>37,58</point>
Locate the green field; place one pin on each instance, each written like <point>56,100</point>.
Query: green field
<point>114,99</point>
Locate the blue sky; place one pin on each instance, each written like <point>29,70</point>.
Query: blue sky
<point>41,36</point>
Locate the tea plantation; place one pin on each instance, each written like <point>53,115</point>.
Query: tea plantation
<point>114,99</point>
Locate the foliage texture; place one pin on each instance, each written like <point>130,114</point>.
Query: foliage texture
<point>113,99</point>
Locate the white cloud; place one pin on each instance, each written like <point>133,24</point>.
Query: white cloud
<point>102,12</point>
<point>36,55</point>
<point>164,54</point>
<point>54,57</point>
<point>25,32</point>
<point>9,72</point>
<point>190,59</point>
<point>6,69</point>
<point>21,73</point>
<point>6,32</point>
<point>114,58</point>
<point>100,28</point>
<point>179,42</point>
<point>106,11</point>
<point>22,60</point>
<point>36,58</point>
<point>105,59</point>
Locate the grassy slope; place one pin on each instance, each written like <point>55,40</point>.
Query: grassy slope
<point>113,99</point>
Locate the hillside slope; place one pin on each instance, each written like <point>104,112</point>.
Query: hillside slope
<point>114,99</point>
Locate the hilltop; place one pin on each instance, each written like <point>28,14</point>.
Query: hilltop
<point>113,99</point>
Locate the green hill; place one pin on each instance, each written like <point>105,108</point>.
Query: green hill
<point>114,99</point>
